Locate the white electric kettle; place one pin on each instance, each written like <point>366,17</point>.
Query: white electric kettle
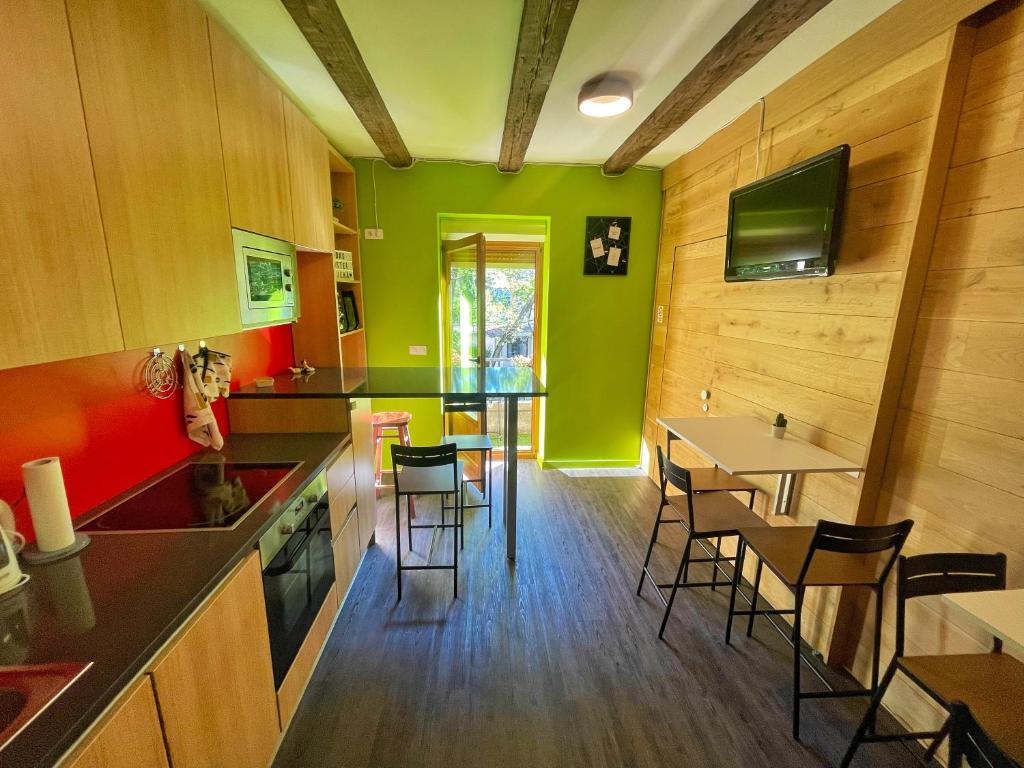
<point>11,576</point>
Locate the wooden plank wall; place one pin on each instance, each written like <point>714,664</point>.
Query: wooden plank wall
<point>958,444</point>
<point>813,349</point>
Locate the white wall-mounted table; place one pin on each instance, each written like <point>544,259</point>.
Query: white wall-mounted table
<point>743,445</point>
<point>1000,612</point>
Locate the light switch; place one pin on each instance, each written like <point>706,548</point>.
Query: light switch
<point>417,349</point>
<point>373,234</point>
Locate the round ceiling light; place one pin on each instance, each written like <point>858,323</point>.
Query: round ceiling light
<point>605,96</point>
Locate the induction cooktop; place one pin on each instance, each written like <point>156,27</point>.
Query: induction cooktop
<point>198,496</point>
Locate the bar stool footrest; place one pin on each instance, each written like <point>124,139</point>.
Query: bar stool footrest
<point>427,567</point>
<point>834,694</point>
<point>874,738</point>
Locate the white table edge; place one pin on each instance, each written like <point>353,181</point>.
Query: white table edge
<point>953,600</point>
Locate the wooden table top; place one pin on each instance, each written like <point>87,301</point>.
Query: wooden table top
<point>1001,612</point>
<point>743,445</point>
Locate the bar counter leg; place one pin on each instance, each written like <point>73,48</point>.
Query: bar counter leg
<point>511,468</point>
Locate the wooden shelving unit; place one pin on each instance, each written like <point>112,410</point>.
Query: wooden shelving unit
<point>317,335</point>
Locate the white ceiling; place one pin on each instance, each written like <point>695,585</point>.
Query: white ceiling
<point>443,69</point>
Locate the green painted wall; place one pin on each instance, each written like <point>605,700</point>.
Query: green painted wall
<point>598,328</point>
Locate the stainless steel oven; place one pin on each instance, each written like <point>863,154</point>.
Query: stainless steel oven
<point>298,571</point>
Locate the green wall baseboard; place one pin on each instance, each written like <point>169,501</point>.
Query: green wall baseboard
<point>590,464</point>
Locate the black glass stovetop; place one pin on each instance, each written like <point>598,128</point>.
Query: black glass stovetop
<point>203,495</point>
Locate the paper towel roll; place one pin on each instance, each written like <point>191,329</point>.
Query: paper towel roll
<point>48,504</point>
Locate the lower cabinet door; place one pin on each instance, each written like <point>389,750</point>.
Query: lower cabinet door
<point>128,737</point>
<point>215,684</point>
<point>346,555</point>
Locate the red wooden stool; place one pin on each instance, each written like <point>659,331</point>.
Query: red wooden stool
<point>389,424</point>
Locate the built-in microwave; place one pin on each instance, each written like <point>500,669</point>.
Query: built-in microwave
<point>268,290</point>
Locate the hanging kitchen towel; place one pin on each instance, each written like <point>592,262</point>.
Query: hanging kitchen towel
<point>200,422</point>
<point>215,372</point>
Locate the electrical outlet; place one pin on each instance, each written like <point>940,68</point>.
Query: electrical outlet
<point>417,349</point>
<point>373,234</point>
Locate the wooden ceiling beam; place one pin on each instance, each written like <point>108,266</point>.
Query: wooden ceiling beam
<point>763,27</point>
<point>542,32</point>
<point>322,24</point>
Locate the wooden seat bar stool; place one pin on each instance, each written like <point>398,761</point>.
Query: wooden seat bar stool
<point>988,683</point>
<point>479,443</point>
<point>828,554</point>
<point>388,424</point>
<point>427,471</point>
<point>705,511</point>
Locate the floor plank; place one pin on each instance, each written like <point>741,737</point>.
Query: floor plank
<point>553,661</point>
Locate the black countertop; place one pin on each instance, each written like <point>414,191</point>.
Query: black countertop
<point>399,382</point>
<point>125,595</point>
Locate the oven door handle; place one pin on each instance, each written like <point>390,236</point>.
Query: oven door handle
<point>289,564</point>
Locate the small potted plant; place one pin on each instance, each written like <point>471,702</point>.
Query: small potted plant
<point>779,427</point>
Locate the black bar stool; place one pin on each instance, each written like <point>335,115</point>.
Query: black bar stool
<point>826,555</point>
<point>986,682</point>
<point>427,471</point>
<point>480,443</point>
<point>705,511</point>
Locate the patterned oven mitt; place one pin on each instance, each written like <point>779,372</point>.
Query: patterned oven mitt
<point>215,372</point>
<point>200,421</point>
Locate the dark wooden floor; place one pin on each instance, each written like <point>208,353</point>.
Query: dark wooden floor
<point>553,661</point>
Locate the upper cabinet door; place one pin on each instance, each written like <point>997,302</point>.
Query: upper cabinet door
<point>310,171</point>
<point>147,87</point>
<point>58,297</point>
<point>252,134</point>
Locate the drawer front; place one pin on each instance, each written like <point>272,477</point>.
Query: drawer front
<point>341,505</point>
<point>340,472</point>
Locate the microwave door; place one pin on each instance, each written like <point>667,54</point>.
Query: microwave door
<point>268,279</point>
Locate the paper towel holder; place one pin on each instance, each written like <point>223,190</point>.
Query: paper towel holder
<point>30,552</point>
<point>34,556</point>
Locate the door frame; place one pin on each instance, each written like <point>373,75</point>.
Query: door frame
<point>503,250</point>
<point>496,222</point>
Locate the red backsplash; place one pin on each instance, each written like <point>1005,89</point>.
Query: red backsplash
<point>108,432</point>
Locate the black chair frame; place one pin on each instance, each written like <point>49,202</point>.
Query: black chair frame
<point>679,478</point>
<point>967,739</point>
<point>843,539</point>
<point>426,456</point>
<point>924,576</point>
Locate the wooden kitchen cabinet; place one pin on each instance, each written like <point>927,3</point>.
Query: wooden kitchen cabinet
<point>310,173</point>
<point>147,88</point>
<point>215,683</point>
<point>129,736</point>
<point>251,113</point>
<point>58,292</point>
<point>361,428</point>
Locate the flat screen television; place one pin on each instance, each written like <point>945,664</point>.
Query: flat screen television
<point>787,224</point>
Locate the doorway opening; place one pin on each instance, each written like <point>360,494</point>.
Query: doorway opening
<point>492,305</point>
